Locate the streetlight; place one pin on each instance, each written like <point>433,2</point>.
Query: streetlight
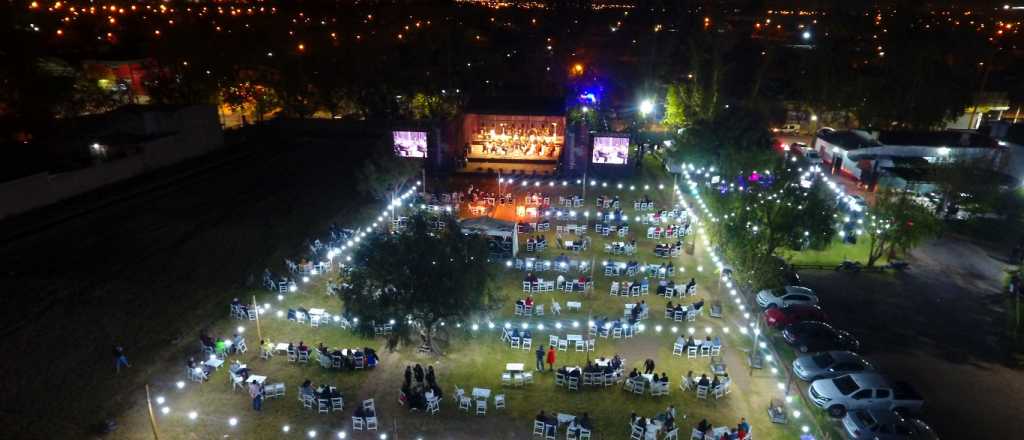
<point>646,107</point>
<point>807,35</point>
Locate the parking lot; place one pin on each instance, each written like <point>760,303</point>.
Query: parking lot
<point>912,327</point>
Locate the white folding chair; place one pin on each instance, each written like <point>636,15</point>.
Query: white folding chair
<point>637,433</point>
<point>538,428</point>
<point>506,378</point>
<point>677,349</point>
<point>702,392</point>
<point>481,407</point>
<point>527,343</point>
<point>337,404</point>
<point>499,401</point>
<point>323,406</point>
<point>691,352</point>
<point>371,423</point>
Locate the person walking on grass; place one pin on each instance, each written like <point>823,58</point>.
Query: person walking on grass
<point>256,392</point>
<point>120,360</point>
<point>540,358</point>
<point>551,358</point>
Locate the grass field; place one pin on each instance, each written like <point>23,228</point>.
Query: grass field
<point>472,359</point>
<point>836,253</point>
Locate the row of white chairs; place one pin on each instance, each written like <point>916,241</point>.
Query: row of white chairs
<point>693,352</point>
<point>581,345</point>
<point>643,206</point>
<point>635,289</point>
<point>518,379</point>
<point>547,432</point>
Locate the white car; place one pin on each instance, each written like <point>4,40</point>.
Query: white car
<point>874,424</point>
<point>863,391</point>
<point>786,296</point>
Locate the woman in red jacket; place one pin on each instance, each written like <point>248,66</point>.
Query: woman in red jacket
<point>551,358</point>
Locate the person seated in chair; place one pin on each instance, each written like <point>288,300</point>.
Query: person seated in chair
<point>697,305</point>
<point>664,377</point>
<point>715,383</point>
<point>703,382</point>
<point>302,347</point>
<point>634,374</point>
<point>703,427</point>
<point>529,301</point>
<point>307,389</point>
<point>691,284</point>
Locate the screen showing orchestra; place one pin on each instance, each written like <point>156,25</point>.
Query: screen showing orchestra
<point>611,150</point>
<point>410,143</point>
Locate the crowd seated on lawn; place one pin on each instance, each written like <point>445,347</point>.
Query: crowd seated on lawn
<point>237,369</point>
<point>550,422</point>
<point>240,305</point>
<point>583,422</point>
<point>603,321</point>
<point>520,334</point>
<point>603,199</point>
<point>200,366</point>
<point>417,384</point>
<point>348,357</point>
<point>636,313</point>
<point>665,250</point>
<point>321,392</point>
<point>740,432</point>
<point>219,346</point>
<point>679,307</point>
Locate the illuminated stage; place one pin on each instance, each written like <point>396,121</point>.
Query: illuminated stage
<point>513,136</point>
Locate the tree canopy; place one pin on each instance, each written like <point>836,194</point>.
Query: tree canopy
<point>736,139</point>
<point>896,224</point>
<point>420,275</point>
<point>757,216</point>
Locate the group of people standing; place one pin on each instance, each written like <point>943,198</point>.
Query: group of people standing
<point>417,383</point>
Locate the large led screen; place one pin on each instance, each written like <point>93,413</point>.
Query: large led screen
<point>410,143</point>
<point>611,150</point>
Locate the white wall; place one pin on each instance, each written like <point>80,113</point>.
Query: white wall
<point>200,133</point>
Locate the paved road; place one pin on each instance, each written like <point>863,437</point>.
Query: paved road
<point>941,326</point>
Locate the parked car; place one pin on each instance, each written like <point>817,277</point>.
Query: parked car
<point>788,129</point>
<point>811,336</point>
<point>786,296</point>
<point>875,424</point>
<point>780,317</point>
<point>827,364</point>
<point>858,391</point>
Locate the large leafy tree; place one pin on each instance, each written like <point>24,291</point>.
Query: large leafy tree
<point>419,276</point>
<point>736,139</point>
<point>897,224</point>
<point>757,217</point>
